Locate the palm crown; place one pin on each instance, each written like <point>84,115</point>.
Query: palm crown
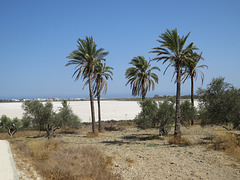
<point>141,78</point>
<point>192,70</point>
<point>172,49</point>
<point>85,57</point>
<point>102,72</point>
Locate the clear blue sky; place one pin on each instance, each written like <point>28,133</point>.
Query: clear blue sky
<point>36,37</point>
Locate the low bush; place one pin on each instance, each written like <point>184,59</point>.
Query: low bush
<point>146,118</point>
<point>188,113</point>
<point>227,142</point>
<point>155,114</point>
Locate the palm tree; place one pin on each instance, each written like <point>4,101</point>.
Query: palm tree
<point>85,58</point>
<point>141,77</point>
<point>172,50</point>
<point>192,71</point>
<point>102,72</point>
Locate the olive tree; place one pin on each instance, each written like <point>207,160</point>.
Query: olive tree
<point>44,118</point>
<point>9,125</point>
<point>220,103</point>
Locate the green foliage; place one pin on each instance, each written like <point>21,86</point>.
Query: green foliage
<point>4,121</point>
<point>156,115</point>
<point>9,125</point>
<point>67,117</point>
<point>146,118</point>
<point>85,57</point>
<point>140,76</point>
<point>26,122</point>
<point>165,116</point>
<point>43,117</point>
<point>188,113</point>
<point>221,103</point>
<point>34,113</point>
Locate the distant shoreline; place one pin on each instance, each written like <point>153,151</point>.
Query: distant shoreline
<point>161,98</point>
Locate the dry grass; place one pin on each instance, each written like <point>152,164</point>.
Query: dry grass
<point>92,135</point>
<point>65,162</point>
<point>42,149</point>
<point>22,134</point>
<point>129,160</point>
<point>228,143</point>
<point>179,140</point>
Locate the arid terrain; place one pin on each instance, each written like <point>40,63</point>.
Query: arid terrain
<point>137,154</point>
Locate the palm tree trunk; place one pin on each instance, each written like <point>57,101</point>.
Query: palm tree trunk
<point>143,91</point>
<point>99,114</point>
<point>177,131</point>
<point>92,104</point>
<point>143,96</point>
<point>192,94</point>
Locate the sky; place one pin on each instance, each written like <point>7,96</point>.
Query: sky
<point>36,36</point>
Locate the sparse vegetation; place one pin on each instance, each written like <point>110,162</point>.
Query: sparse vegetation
<point>66,162</point>
<point>125,149</point>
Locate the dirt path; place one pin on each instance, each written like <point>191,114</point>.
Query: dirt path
<point>7,166</point>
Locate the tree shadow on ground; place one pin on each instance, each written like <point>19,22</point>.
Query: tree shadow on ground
<point>119,143</point>
<point>142,137</point>
<point>35,137</point>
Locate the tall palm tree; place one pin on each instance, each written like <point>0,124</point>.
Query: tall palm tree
<point>102,72</point>
<point>172,49</point>
<point>141,77</point>
<point>192,71</point>
<point>85,58</point>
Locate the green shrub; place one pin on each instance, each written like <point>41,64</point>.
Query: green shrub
<point>146,118</point>
<point>165,116</point>
<point>26,122</point>
<point>43,117</point>
<point>188,113</point>
<point>221,103</point>
<point>9,125</point>
<point>156,115</point>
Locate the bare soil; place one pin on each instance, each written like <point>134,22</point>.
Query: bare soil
<point>137,155</point>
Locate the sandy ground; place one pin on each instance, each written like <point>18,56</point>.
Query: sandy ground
<point>134,157</point>
<point>7,166</point>
<point>111,110</point>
